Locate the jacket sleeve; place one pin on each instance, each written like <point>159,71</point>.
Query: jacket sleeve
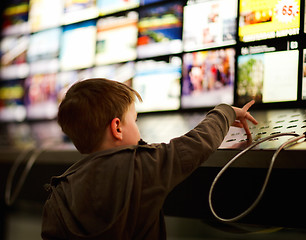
<point>171,163</point>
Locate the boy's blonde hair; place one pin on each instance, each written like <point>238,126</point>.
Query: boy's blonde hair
<point>89,107</point>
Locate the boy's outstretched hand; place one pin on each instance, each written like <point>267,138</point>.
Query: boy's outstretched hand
<point>242,115</point>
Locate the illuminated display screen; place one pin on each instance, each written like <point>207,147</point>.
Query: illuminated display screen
<point>15,18</point>
<point>45,14</point>
<point>14,50</point>
<point>112,6</point>
<point>43,51</point>
<point>40,96</point>
<point>13,59</point>
<point>261,19</point>
<point>158,83</point>
<point>78,46</point>
<point>44,45</point>
<point>209,24</point>
<point>11,101</point>
<point>208,78</point>
<point>270,76</point>
<point>160,30</point>
<point>76,10</point>
<point>117,39</point>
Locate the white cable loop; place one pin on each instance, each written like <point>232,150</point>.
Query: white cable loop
<point>296,138</point>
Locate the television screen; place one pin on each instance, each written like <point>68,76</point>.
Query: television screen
<point>45,14</point>
<point>261,19</point>
<point>11,100</point>
<point>112,6</point>
<point>160,30</point>
<point>267,74</point>
<point>40,96</point>
<point>13,58</point>
<point>122,72</point>
<point>44,45</point>
<point>15,18</point>
<point>76,11</point>
<point>209,24</point>
<point>116,39</point>
<point>78,46</point>
<point>158,83</point>
<point>208,78</point>
<point>43,51</point>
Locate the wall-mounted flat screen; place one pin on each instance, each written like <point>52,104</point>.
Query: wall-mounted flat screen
<point>209,24</point>
<point>78,46</point>
<point>76,11</point>
<point>117,39</point>
<point>44,45</point>
<point>158,83</point>
<point>15,18</point>
<point>267,74</point>
<point>14,57</point>
<point>40,96</point>
<point>261,19</point>
<point>208,78</point>
<point>12,100</point>
<point>44,14</point>
<point>160,30</point>
<point>43,51</point>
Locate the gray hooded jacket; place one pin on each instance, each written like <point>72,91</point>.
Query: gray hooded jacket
<point>119,193</point>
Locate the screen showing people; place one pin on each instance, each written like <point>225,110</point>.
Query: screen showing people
<point>208,78</point>
<point>209,24</point>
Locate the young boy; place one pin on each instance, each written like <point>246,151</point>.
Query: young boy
<point>118,190</point>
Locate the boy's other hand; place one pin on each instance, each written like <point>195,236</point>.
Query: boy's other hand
<point>242,115</point>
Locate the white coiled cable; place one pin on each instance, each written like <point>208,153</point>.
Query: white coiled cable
<point>296,137</point>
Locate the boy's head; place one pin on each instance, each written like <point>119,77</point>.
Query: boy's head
<point>89,108</point>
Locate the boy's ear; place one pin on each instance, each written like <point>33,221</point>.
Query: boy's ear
<point>116,128</point>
